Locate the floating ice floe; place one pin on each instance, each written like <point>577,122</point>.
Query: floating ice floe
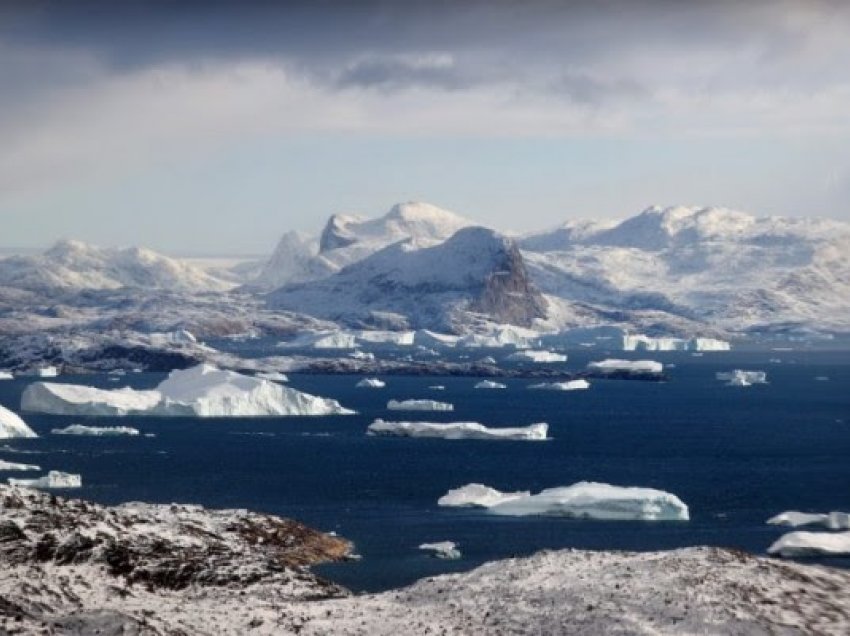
<point>569,385</point>
<point>794,519</point>
<point>489,384</point>
<point>442,549</point>
<point>201,391</point>
<point>11,425</point>
<point>53,479</point>
<point>628,366</point>
<point>640,342</point>
<point>397,338</point>
<point>357,354</point>
<point>4,465</point>
<point>459,430</point>
<point>95,431</point>
<point>487,360</point>
<point>47,372</point>
<point>371,383</point>
<point>741,378</point>
<point>7,375</point>
<point>810,544</point>
<point>321,340</point>
<point>437,387</point>
<point>539,357</point>
<point>419,405</point>
<point>587,500</point>
<point>274,376</point>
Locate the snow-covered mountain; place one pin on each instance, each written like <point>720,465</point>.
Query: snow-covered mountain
<point>726,268</point>
<point>476,272</point>
<point>74,265</point>
<point>348,239</point>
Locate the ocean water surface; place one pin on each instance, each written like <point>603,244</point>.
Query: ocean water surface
<point>736,456</point>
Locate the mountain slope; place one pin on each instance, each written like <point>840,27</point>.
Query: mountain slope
<point>476,271</point>
<point>74,265</point>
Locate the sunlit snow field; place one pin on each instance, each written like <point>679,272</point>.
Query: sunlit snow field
<point>735,455</point>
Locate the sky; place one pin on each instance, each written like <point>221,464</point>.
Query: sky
<point>214,127</point>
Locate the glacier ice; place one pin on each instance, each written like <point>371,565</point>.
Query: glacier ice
<point>490,384</point>
<point>11,425</point>
<point>540,357</point>
<point>810,544</point>
<point>95,431</point>
<point>201,391</point>
<point>4,465</point>
<point>419,405</point>
<point>569,385</point>
<point>588,500</point>
<point>831,520</point>
<point>742,378</point>
<point>442,549</point>
<point>629,366</point>
<point>459,430</point>
<point>371,383</point>
<point>53,479</point>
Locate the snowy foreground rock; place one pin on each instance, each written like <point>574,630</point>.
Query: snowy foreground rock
<point>586,500</point>
<point>68,566</point>
<point>810,544</point>
<point>459,430</point>
<point>95,431</point>
<point>742,378</point>
<point>53,479</point>
<point>202,391</point>
<point>569,385</point>
<point>11,425</point>
<point>419,405</point>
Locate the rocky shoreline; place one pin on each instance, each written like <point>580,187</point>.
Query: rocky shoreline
<point>74,567</point>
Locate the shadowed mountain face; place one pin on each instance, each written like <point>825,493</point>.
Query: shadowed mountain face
<point>476,271</point>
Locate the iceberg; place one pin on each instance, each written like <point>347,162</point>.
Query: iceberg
<point>53,479</point>
<point>96,431</point>
<point>610,366</point>
<point>321,340</point>
<point>201,391</point>
<point>11,425</point>
<point>569,385</point>
<point>47,372</point>
<point>584,500</point>
<point>539,357</point>
<point>639,342</point>
<point>502,336</point>
<point>437,387</point>
<point>397,338</point>
<point>427,338</point>
<point>4,465</point>
<point>489,384</point>
<point>419,405</point>
<point>459,430</point>
<point>6,375</point>
<point>742,378</point>
<point>357,354</point>
<point>832,520</point>
<point>442,549</point>
<point>810,544</point>
<point>371,383</point>
<point>274,376</point>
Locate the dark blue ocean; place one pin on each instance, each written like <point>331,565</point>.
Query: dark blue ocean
<point>736,456</point>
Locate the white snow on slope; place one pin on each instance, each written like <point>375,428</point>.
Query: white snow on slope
<point>538,357</point>
<point>569,385</point>
<point>53,479</point>
<point>584,499</point>
<point>202,391</point>
<point>11,425</point>
<point>459,430</point>
<point>831,520</point>
<point>810,544</point>
<point>419,405</point>
<point>742,378</point>
<point>95,431</point>
<point>629,366</point>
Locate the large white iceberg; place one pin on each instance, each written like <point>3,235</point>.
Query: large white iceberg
<point>398,338</point>
<point>201,391</point>
<point>794,519</point>
<point>4,465</point>
<point>628,366</point>
<point>53,479</point>
<point>321,340</point>
<point>11,425</point>
<point>742,378</point>
<point>7,375</point>
<point>47,372</point>
<point>371,383</point>
<point>569,385</point>
<point>639,342</point>
<point>419,405</point>
<point>459,430</point>
<point>489,384</point>
<point>588,500</point>
<point>538,357</point>
<point>806,544</point>
<point>442,549</point>
<point>95,431</point>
